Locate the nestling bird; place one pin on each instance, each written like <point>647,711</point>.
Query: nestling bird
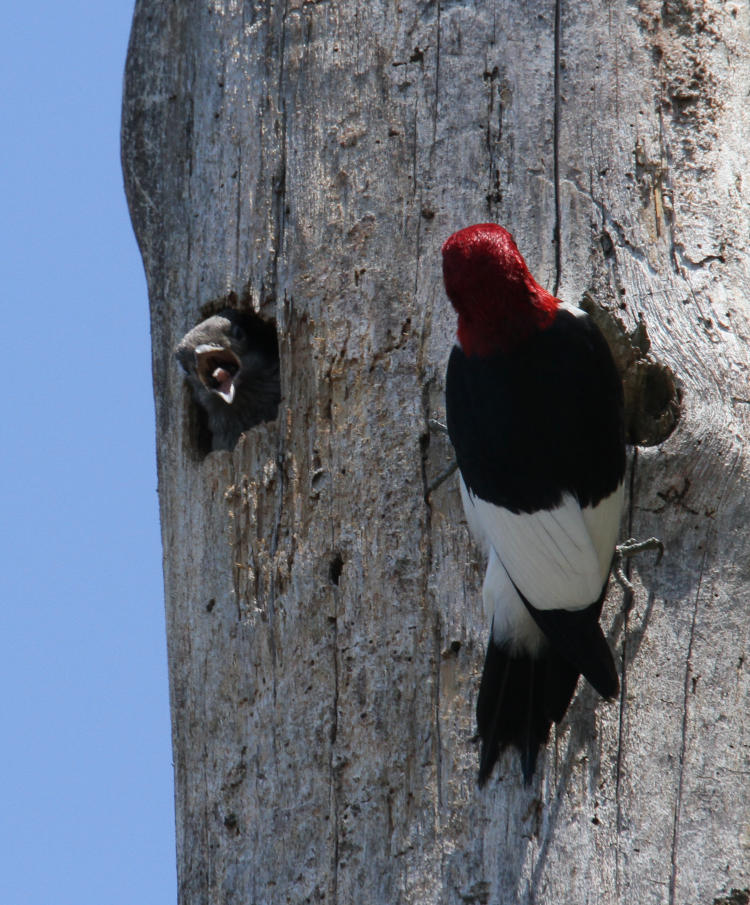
<point>231,361</point>
<point>535,414</point>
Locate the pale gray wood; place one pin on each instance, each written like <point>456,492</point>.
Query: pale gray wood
<point>324,622</point>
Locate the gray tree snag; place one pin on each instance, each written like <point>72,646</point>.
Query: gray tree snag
<point>305,160</point>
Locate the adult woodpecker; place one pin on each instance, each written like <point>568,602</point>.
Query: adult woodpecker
<point>535,414</point>
<point>231,361</point>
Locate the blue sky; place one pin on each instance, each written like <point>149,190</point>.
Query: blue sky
<point>87,812</point>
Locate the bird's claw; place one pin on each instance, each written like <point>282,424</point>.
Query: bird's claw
<point>633,547</point>
<point>439,428</point>
<point>443,476</point>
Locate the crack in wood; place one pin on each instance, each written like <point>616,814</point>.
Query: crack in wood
<point>686,689</point>
<point>557,238</point>
<point>627,601</point>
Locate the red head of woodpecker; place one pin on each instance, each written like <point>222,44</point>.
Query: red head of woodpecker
<point>498,301</point>
<point>535,414</point>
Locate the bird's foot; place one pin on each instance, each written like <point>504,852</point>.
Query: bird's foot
<point>443,476</point>
<point>439,428</point>
<point>632,547</point>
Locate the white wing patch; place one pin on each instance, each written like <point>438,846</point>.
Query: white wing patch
<point>558,558</point>
<point>512,623</point>
<point>603,524</point>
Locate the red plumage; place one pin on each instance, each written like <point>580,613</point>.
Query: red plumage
<point>498,301</point>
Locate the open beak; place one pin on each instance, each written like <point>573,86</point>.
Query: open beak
<point>217,369</point>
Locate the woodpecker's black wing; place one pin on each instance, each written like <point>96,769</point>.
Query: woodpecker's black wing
<point>541,420</point>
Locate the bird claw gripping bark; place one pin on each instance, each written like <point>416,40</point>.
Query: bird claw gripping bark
<point>632,547</point>
<point>439,428</point>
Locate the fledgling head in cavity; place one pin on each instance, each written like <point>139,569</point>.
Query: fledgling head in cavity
<point>231,361</point>
<point>498,301</point>
<point>211,355</point>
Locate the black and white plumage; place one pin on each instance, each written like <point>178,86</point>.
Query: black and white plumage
<point>535,414</point>
<point>231,361</point>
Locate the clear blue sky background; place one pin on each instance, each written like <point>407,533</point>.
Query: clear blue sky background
<point>85,761</point>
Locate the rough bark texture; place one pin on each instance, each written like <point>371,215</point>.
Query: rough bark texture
<point>324,621</point>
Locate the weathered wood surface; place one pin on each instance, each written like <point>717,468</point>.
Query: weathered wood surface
<point>324,622</point>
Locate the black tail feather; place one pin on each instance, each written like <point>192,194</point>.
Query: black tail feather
<point>578,637</point>
<point>519,699</point>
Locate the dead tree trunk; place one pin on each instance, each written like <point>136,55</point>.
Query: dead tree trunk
<point>306,160</point>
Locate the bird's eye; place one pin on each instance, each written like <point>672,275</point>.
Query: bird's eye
<point>237,332</point>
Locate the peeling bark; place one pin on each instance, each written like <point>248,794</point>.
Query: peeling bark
<point>306,160</point>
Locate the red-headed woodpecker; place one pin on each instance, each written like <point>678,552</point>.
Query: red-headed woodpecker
<point>535,414</point>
